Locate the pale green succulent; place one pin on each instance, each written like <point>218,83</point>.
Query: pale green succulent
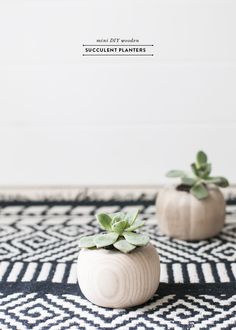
<point>199,179</point>
<point>120,233</point>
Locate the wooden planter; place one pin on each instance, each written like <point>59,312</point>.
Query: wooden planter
<point>183,216</point>
<point>110,278</point>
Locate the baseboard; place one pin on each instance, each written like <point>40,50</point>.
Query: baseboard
<point>90,192</point>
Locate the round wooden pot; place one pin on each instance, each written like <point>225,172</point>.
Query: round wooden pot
<point>183,216</point>
<point>109,278</point>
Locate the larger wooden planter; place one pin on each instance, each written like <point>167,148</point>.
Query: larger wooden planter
<point>183,216</point>
<point>110,278</point>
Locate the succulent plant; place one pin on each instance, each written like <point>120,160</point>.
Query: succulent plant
<point>199,179</point>
<point>120,233</point>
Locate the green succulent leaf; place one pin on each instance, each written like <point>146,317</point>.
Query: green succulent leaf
<point>194,169</point>
<point>117,218</point>
<point>124,246</point>
<point>119,227</point>
<point>201,158</point>
<point>175,174</point>
<point>104,220</point>
<point>207,170</point>
<point>103,240</point>
<point>219,181</point>
<point>137,224</point>
<point>132,217</point>
<point>117,214</point>
<point>204,171</point>
<point>87,241</point>
<point>188,181</point>
<point>136,239</point>
<point>199,191</point>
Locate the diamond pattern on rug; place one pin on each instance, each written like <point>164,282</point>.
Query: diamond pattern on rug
<point>38,281</point>
<point>48,311</point>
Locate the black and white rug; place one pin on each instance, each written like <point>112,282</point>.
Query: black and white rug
<point>38,284</point>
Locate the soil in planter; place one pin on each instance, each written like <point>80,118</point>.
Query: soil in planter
<point>110,247</point>
<point>183,187</point>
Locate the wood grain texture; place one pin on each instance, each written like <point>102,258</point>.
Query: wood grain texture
<point>183,216</point>
<point>114,279</point>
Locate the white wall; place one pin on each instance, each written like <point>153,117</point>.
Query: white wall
<point>66,119</point>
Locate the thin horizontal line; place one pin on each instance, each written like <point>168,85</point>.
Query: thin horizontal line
<point>108,45</point>
<point>164,288</point>
<point>43,124</point>
<point>118,54</point>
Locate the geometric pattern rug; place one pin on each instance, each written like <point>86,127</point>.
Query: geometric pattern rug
<point>38,284</point>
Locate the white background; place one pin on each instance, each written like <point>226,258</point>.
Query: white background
<point>65,119</point>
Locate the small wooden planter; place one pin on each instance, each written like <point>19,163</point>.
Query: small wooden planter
<point>183,216</point>
<point>110,278</point>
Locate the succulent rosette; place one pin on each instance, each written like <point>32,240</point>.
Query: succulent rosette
<point>120,233</point>
<point>197,182</point>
